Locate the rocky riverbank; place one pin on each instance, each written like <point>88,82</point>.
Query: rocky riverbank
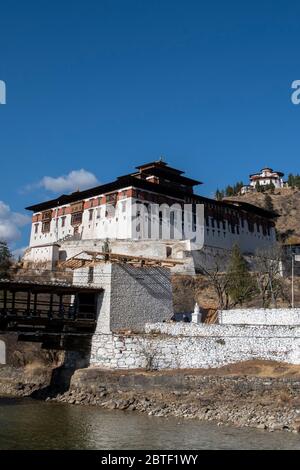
<point>23,381</point>
<point>265,403</point>
<point>255,394</point>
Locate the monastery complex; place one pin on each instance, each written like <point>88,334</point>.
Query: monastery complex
<point>152,212</point>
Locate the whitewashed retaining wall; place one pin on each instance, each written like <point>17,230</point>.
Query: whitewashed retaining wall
<point>185,345</point>
<point>260,316</point>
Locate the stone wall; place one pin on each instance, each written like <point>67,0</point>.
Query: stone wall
<point>131,296</point>
<point>185,345</point>
<point>260,316</point>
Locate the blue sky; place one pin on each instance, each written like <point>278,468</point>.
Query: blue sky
<point>106,85</point>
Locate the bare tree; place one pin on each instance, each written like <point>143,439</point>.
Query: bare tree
<point>270,283</point>
<point>149,351</point>
<point>219,280</point>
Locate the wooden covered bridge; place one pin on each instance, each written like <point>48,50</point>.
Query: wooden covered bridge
<point>42,311</point>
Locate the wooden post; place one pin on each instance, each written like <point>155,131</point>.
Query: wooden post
<point>60,308</point>
<point>5,299</point>
<point>28,303</point>
<point>13,299</point>
<point>50,306</point>
<point>35,303</point>
<point>76,306</point>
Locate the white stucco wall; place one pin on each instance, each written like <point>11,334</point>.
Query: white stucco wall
<point>101,226</point>
<point>118,226</point>
<point>260,316</point>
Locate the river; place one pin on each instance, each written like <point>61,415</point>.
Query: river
<point>31,424</point>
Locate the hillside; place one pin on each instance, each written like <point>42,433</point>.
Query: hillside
<point>286,202</point>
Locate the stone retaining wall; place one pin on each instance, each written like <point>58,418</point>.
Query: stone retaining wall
<point>185,345</point>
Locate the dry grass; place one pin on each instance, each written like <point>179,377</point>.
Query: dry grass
<point>255,368</point>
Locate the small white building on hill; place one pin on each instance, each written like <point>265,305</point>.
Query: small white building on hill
<point>266,177</point>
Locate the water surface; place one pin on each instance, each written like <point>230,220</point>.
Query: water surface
<point>31,424</point>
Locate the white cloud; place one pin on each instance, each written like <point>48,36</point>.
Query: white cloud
<point>10,223</point>
<point>76,179</point>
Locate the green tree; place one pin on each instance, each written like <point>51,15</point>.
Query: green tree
<point>219,195</point>
<point>270,187</point>
<point>240,284</point>
<point>269,203</point>
<point>237,188</point>
<point>294,181</point>
<point>258,187</point>
<point>5,259</point>
<point>229,191</point>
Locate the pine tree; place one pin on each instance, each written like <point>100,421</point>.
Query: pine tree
<point>269,203</point>
<point>229,191</point>
<point>219,195</point>
<point>291,180</point>
<point>5,260</point>
<point>271,187</point>
<point>240,285</point>
<point>294,181</point>
<point>258,187</point>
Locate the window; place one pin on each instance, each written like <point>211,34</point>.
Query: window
<point>111,198</point>
<point>194,218</point>
<point>98,213</point>
<point>46,227</point>
<point>63,221</point>
<point>36,228</point>
<point>63,210</point>
<point>77,207</point>
<point>172,224</point>
<point>160,217</point>
<point>76,218</point>
<point>91,275</point>
<point>46,215</point>
<point>91,211</point>
<point>250,226</point>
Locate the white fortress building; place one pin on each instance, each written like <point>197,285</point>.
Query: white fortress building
<point>266,177</point>
<point>152,212</point>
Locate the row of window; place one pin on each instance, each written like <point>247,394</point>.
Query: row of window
<point>76,219</point>
<point>235,228</point>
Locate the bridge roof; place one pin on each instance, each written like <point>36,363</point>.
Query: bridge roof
<point>46,287</point>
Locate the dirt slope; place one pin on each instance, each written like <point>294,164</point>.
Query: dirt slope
<point>286,203</point>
